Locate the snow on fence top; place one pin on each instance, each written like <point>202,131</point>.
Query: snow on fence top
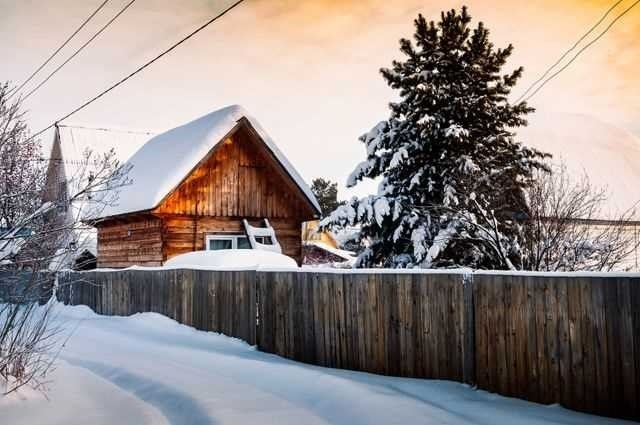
<point>312,269</point>
<point>163,162</point>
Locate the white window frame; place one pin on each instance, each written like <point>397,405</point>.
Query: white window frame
<point>228,236</point>
<point>224,237</point>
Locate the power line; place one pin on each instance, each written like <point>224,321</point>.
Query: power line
<point>569,51</point>
<point>104,27</point>
<point>86,21</point>
<point>105,129</point>
<point>141,68</point>
<point>582,50</point>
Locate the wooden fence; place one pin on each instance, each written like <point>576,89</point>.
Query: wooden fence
<point>218,301</point>
<point>574,340</point>
<point>395,324</point>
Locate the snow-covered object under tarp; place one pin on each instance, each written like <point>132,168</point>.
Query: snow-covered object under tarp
<point>165,160</point>
<point>348,256</point>
<point>231,258</point>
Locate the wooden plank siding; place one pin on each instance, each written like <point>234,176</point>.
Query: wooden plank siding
<point>238,179</point>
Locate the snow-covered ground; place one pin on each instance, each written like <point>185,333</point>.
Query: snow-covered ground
<point>148,369</point>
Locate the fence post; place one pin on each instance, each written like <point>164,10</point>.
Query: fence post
<point>469,343</point>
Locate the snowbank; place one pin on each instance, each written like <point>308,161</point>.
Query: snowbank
<point>247,259</point>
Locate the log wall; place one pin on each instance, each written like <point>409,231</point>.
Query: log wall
<point>186,234</point>
<point>138,241</point>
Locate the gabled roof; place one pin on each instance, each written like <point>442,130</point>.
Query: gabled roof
<point>167,159</point>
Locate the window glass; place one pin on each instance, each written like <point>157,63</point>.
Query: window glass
<point>217,244</point>
<point>265,240</point>
<point>243,243</point>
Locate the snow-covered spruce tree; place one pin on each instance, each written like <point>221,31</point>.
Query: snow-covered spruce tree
<point>452,177</point>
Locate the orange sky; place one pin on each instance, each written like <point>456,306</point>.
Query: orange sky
<point>308,70</point>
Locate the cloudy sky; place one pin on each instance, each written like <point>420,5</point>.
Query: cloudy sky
<point>307,69</point>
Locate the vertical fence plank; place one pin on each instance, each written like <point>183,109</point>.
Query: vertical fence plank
<point>628,381</point>
<point>341,321</point>
<point>520,336</point>
<point>533,388</point>
<point>350,322</point>
<point>551,336</point>
<point>613,344</point>
<point>565,370</point>
<point>468,342</point>
<point>309,329</point>
<point>511,352</point>
<point>542,344</point>
<point>600,344</point>
<point>585,286</point>
<point>481,309</point>
<point>419,327</point>
<point>361,282</point>
<point>634,287</point>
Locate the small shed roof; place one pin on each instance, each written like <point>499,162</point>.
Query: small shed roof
<point>165,160</point>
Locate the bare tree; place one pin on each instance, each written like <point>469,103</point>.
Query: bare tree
<point>566,225</point>
<point>478,233</point>
<point>570,228</point>
<point>39,232</point>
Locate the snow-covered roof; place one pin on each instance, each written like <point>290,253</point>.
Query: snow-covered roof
<point>165,160</point>
<point>347,255</point>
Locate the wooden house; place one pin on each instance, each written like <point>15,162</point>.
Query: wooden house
<point>192,187</point>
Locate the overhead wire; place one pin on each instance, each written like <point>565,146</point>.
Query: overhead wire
<point>62,46</point>
<point>592,42</point>
<point>141,68</point>
<point>572,48</point>
<point>79,50</point>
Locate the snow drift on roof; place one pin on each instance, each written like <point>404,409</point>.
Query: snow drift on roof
<point>165,160</point>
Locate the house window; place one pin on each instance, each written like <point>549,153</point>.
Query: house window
<point>218,242</point>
